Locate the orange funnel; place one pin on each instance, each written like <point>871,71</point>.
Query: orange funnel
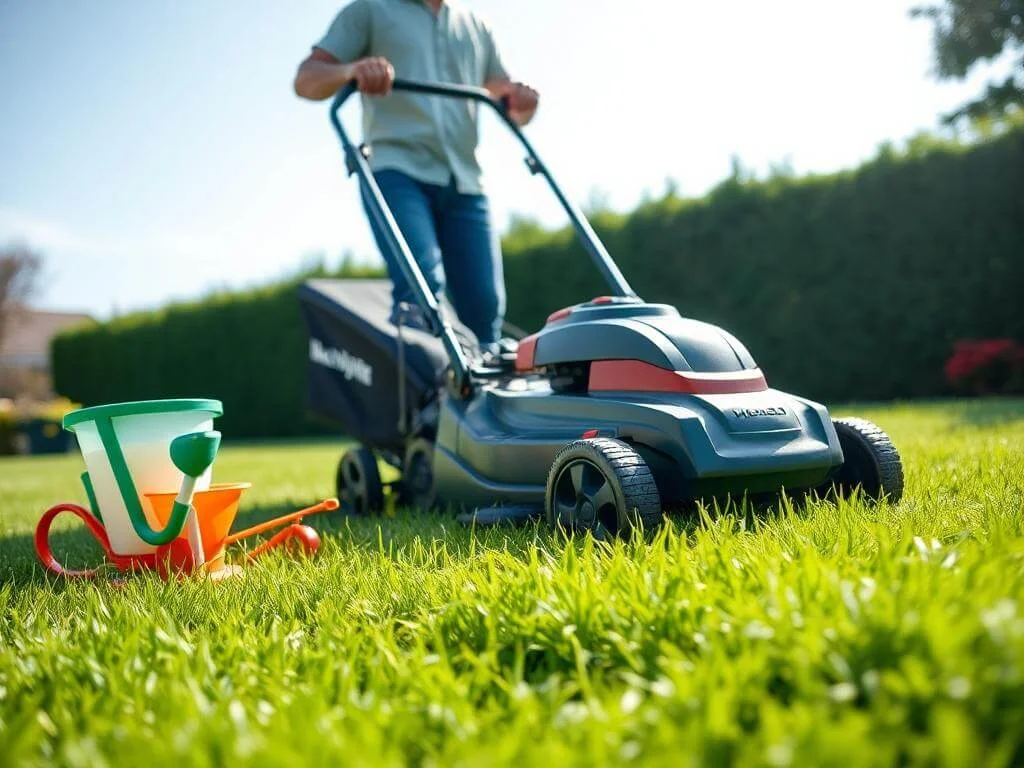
<point>216,509</point>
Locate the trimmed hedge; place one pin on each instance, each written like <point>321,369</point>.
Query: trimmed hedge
<point>849,286</point>
<point>843,287</point>
<point>248,350</point>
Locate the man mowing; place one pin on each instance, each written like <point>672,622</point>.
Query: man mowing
<point>424,149</point>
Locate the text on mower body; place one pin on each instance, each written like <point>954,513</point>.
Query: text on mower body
<point>350,366</point>
<point>749,413</point>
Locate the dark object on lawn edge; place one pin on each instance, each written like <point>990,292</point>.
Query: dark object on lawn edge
<point>511,514</point>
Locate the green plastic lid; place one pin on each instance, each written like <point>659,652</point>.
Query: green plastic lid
<point>140,408</point>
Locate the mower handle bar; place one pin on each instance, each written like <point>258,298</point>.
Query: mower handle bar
<point>609,270</point>
<point>400,248</point>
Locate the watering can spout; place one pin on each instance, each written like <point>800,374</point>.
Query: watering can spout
<point>194,453</point>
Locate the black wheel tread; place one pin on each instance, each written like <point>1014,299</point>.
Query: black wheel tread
<point>367,463</point>
<point>407,496</point>
<point>884,453</point>
<point>633,476</point>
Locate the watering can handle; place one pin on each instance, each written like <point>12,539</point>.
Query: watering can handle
<point>50,563</point>
<point>42,540</point>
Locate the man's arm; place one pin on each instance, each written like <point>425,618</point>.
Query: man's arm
<point>321,75</point>
<point>522,99</point>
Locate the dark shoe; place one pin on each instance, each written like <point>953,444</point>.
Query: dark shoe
<point>410,316</point>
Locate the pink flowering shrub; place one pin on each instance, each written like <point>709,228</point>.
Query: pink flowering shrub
<point>986,367</point>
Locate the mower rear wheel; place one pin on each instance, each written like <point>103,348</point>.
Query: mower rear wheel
<point>359,487</point>
<point>603,486</point>
<point>870,462</point>
<point>416,489</point>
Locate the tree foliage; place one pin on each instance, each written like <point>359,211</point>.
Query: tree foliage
<point>972,31</point>
<point>19,273</point>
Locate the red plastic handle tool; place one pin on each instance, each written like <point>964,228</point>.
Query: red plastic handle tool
<point>42,541</point>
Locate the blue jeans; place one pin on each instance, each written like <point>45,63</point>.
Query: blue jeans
<point>450,235</point>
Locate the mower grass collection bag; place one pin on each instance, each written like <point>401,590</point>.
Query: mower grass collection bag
<point>355,359</point>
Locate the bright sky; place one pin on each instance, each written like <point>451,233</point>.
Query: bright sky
<point>154,150</point>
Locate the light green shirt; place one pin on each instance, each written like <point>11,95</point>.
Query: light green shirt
<point>428,137</point>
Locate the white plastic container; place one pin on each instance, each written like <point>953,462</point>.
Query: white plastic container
<point>126,447</point>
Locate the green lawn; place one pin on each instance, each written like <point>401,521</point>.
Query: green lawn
<point>828,636</point>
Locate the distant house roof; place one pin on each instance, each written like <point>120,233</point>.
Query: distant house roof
<point>26,339</point>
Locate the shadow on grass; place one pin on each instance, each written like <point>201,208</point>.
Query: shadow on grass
<point>988,411</point>
<point>75,548</point>
<point>389,535</point>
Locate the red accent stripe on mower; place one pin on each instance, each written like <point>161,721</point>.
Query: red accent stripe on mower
<point>638,376</point>
<point>558,314</point>
<point>526,352</point>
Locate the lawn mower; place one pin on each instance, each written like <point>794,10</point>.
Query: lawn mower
<point>615,410</point>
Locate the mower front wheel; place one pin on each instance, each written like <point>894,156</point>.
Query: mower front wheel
<point>870,462</point>
<point>603,486</point>
<point>358,482</point>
